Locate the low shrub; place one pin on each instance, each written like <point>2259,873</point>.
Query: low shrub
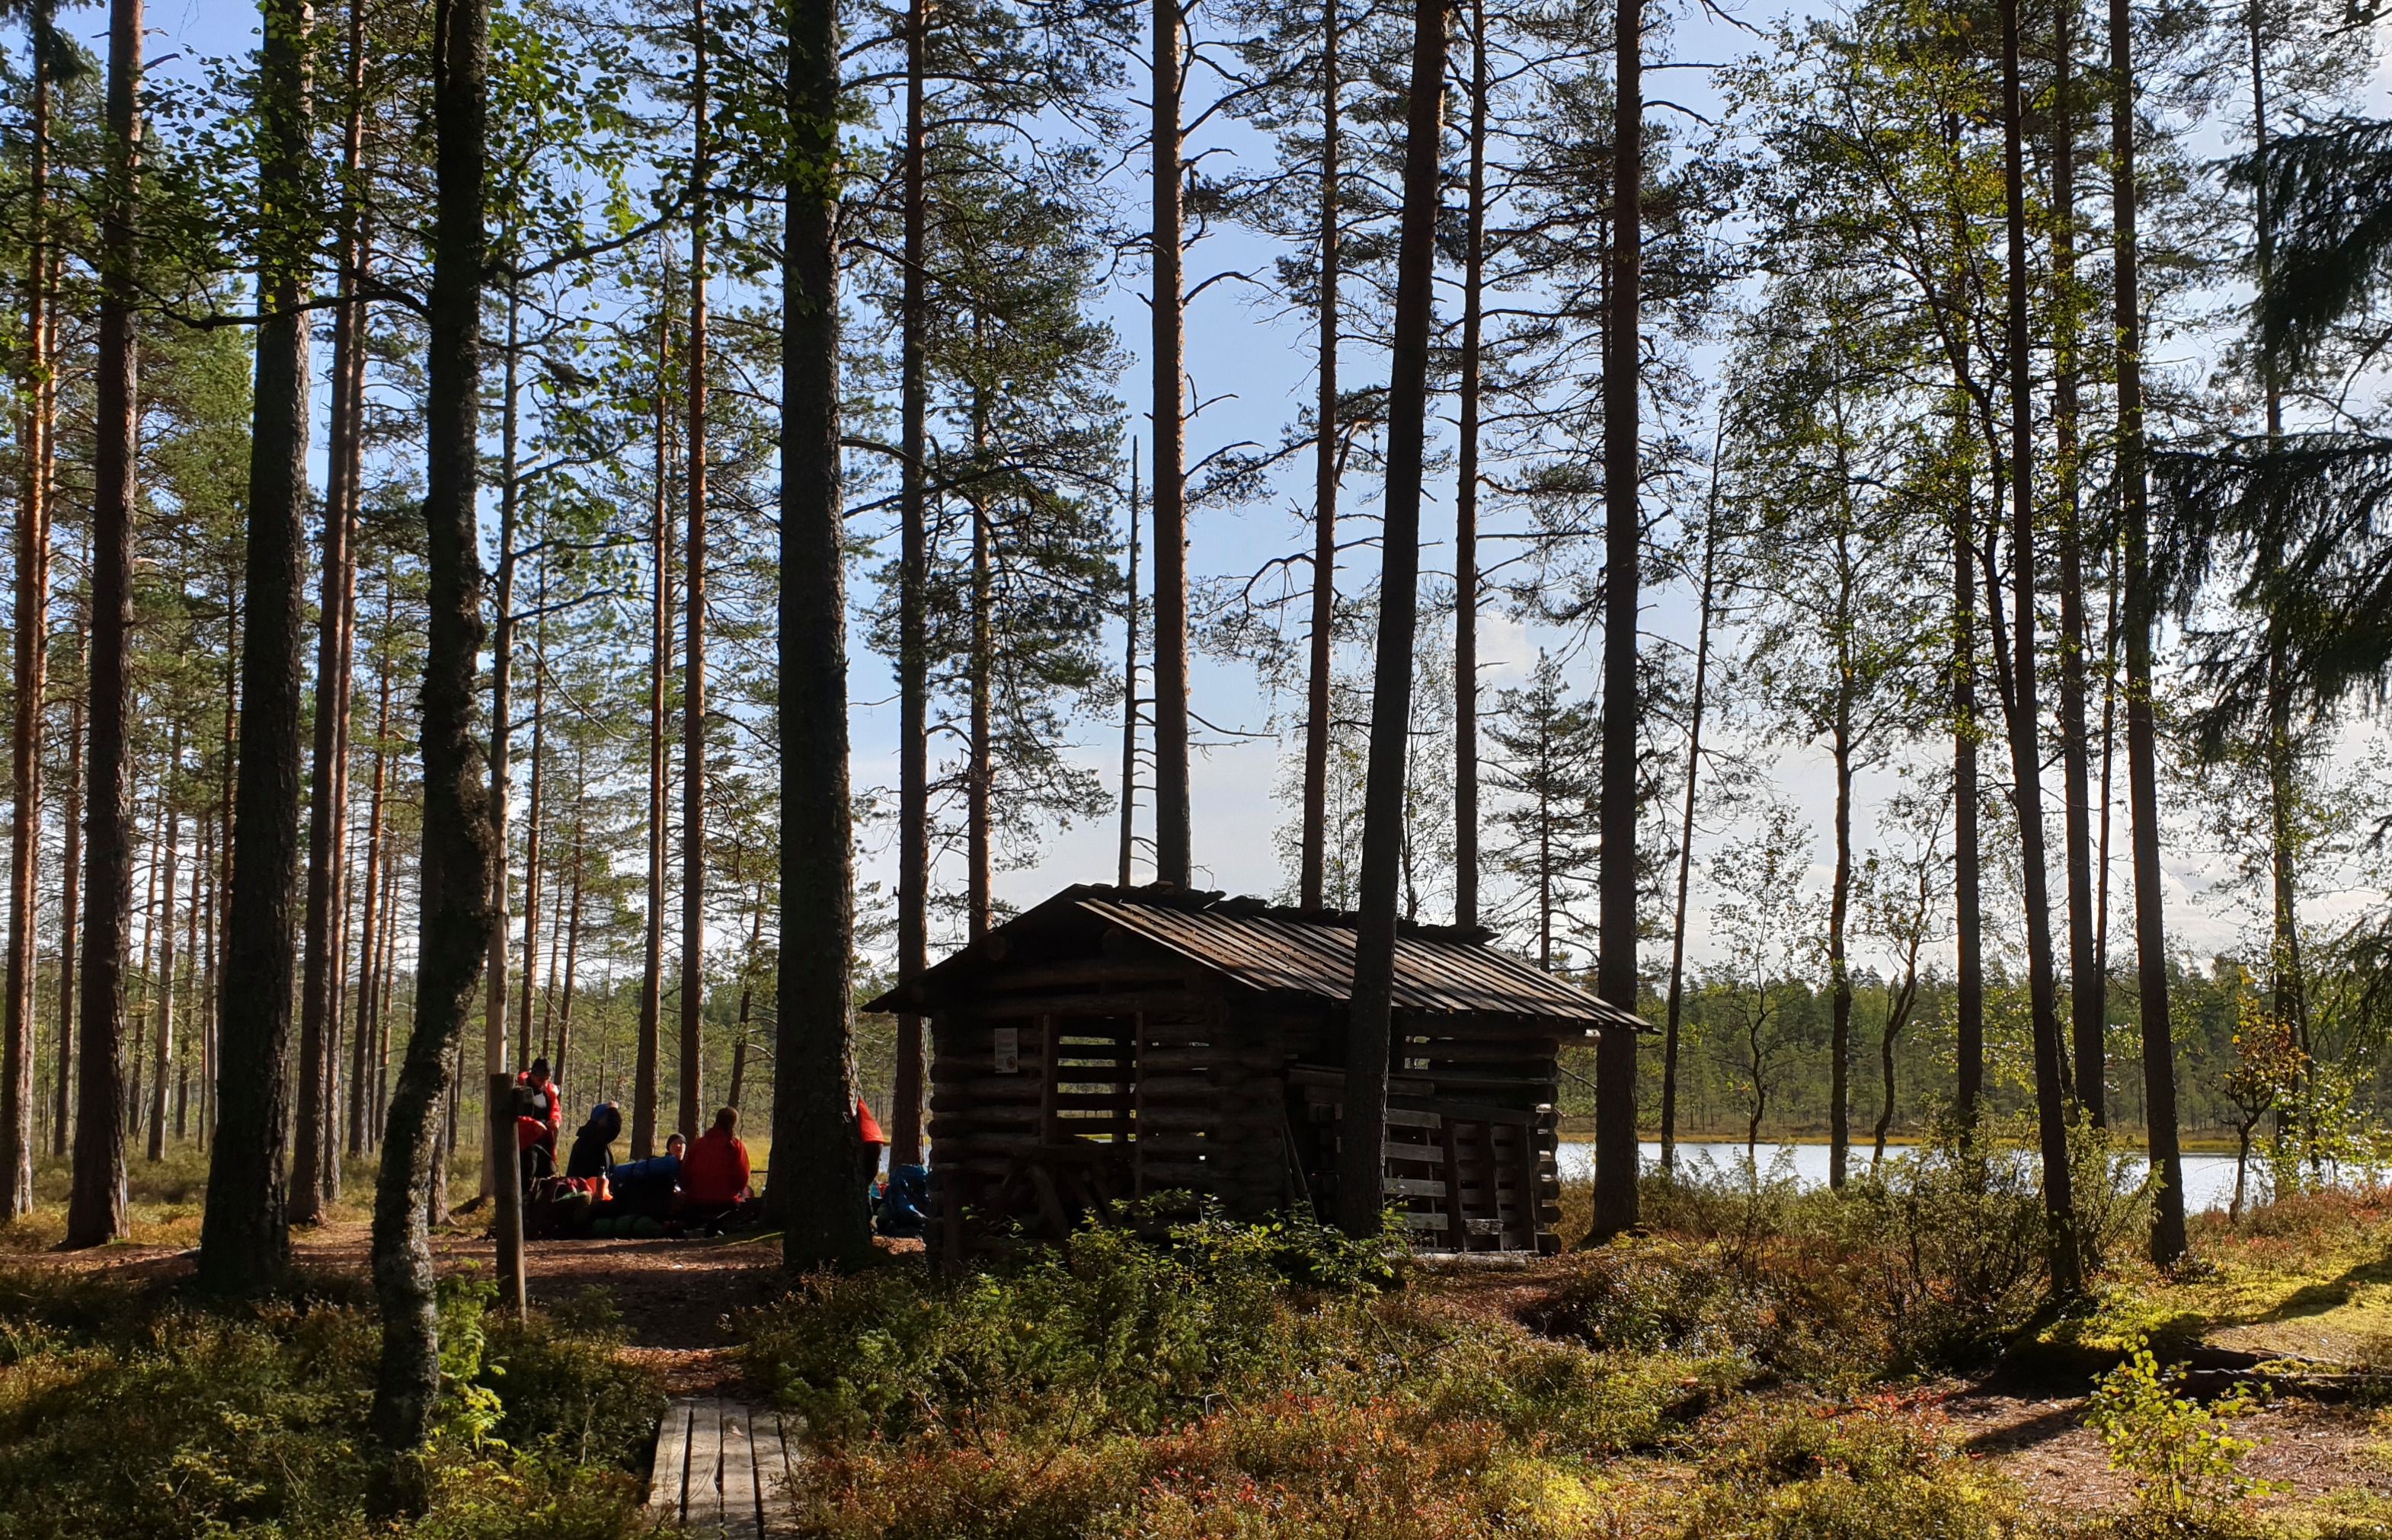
<point>127,1411</point>
<point>1878,1469</point>
<point>1108,1333</point>
<point>2186,1467</point>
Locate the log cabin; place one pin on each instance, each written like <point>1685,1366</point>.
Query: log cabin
<point>1118,1044</point>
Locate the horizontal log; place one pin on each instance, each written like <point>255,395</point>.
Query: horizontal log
<point>1094,1101</point>
<point>1480,1112</point>
<point>1152,1119</point>
<point>1480,1050</point>
<point>985,1091</point>
<point>1113,971</point>
<point>1175,1173</point>
<point>1408,1186</point>
<point>1421,1155</point>
<point>1329,1078</point>
<point>1534,1088</point>
<point>1176,1004</point>
<point>1178,1086</point>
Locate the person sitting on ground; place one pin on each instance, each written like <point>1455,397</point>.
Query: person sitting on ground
<point>714,1177</point>
<point>593,1147</point>
<point>539,1119</point>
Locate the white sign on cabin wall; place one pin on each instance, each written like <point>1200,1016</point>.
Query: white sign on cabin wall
<point>1008,1050</point>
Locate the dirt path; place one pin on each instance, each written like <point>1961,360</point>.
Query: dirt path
<point>675,1298</point>
<point>2310,1452</point>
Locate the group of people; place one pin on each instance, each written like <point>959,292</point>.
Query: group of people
<point>697,1187</point>
<point>693,1187</point>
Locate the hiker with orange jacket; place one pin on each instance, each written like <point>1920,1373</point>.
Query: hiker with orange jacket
<point>540,1117</point>
<point>714,1172</point>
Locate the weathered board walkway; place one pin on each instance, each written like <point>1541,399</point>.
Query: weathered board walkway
<point>724,1470</point>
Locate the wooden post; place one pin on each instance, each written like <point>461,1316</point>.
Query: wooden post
<point>506,1221</point>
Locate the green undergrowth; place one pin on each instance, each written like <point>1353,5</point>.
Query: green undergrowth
<point>1759,1363</point>
<point>166,1197</point>
<point>126,1410</point>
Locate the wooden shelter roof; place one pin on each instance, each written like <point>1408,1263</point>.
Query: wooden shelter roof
<point>1439,970</point>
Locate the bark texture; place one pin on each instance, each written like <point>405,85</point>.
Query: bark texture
<point>2141,612</point>
<point>821,1166</point>
<point>455,869</point>
<point>1369,1016</point>
<point>1615,1053</point>
<point>96,1208</point>
<point>2026,757</point>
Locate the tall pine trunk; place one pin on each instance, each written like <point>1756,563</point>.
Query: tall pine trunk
<point>913,607</point>
<point>96,1208</point>
<point>315,1145</point>
<point>495,1158</point>
<point>2141,612</point>
<point>2288,988</point>
<point>647,1068</point>
<point>343,501</point>
<point>1615,1054</point>
<point>33,641</point>
<point>1173,853</point>
<point>2026,755</point>
<point>1312,879</point>
<point>243,1239</point>
<point>981,769</point>
<point>532,828</point>
<point>1129,689</point>
<point>169,842</point>
<point>2085,989</point>
<point>1676,1007</point>
<point>1370,1016</point>
<point>1465,494</point>
<point>70,916</point>
<point>693,702</point>
<point>360,1137</point>
<point>821,1165</point>
<point>572,946</point>
<point>459,852</point>
<point>1839,899</point>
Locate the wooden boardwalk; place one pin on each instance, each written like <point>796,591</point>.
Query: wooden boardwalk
<point>724,1470</point>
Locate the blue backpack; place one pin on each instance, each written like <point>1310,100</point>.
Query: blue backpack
<point>905,1206</point>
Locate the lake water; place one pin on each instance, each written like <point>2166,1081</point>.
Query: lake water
<point>2208,1179</point>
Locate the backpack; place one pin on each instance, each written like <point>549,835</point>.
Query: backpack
<point>906,1203</point>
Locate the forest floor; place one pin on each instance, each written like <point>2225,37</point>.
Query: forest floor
<point>1719,1365</point>
<point>2324,1463</point>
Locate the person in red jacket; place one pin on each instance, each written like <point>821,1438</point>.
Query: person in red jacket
<point>714,1172</point>
<point>545,1119</point>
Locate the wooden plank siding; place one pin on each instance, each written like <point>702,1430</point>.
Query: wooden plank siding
<point>1169,1041</point>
